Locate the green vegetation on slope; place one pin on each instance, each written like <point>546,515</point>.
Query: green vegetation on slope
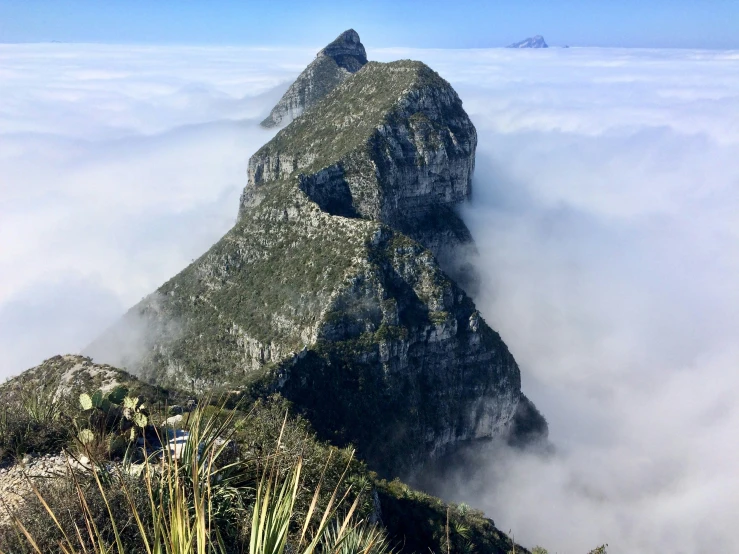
<point>256,295</point>
<point>346,118</point>
<point>125,509</point>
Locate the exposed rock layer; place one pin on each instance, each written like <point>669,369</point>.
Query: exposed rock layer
<point>329,287</point>
<point>333,64</point>
<point>393,145</point>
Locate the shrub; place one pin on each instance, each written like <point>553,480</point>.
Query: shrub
<point>31,420</point>
<point>64,497</point>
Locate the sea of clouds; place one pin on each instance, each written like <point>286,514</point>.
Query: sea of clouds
<point>605,208</point>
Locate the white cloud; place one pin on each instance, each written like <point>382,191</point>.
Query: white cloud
<point>119,165</point>
<point>605,202</point>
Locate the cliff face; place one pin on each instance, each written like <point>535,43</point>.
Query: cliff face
<point>393,145</point>
<point>333,64</point>
<point>330,289</point>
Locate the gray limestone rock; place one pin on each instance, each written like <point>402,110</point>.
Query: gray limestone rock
<point>334,286</point>
<point>333,64</point>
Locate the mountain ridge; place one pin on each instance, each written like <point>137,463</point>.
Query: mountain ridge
<point>331,283</point>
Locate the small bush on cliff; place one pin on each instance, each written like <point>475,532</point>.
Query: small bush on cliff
<point>426,524</point>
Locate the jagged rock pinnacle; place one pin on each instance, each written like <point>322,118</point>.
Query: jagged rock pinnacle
<point>347,51</point>
<point>333,64</point>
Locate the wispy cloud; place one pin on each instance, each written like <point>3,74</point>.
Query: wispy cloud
<point>605,202</point>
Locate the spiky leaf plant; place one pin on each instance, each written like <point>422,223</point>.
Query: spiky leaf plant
<point>362,538</point>
<point>186,493</point>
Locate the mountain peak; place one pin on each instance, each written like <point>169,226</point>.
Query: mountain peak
<point>532,42</point>
<point>341,58</point>
<point>347,51</point>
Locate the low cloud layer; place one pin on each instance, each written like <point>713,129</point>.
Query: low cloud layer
<point>605,202</point>
<point>119,165</point>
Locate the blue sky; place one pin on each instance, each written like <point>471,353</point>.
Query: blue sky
<point>383,23</point>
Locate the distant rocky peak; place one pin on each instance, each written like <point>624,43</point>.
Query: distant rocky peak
<point>347,51</point>
<point>333,64</point>
<point>532,42</point>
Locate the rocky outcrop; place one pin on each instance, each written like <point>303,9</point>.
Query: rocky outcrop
<point>333,64</point>
<point>61,375</point>
<point>380,150</point>
<point>16,479</point>
<point>532,42</point>
<point>333,287</point>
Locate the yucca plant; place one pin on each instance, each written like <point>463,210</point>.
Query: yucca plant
<point>274,509</point>
<point>42,401</point>
<point>362,538</point>
<point>186,490</point>
<point>31,418</point>
<point>191,504</point>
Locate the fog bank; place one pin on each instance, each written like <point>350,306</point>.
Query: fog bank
<point>605,209</point>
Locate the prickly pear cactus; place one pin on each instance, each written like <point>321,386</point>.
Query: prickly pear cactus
<point>111,417</point>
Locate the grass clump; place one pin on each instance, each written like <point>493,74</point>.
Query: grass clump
<point>31,419</point>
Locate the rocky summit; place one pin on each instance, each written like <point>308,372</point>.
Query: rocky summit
<point>343,57</point>
<point>334,287</point>
<point>533,42</point>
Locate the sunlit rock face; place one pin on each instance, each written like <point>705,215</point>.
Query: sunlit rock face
<point>333,64</point>
<point>339,284</point>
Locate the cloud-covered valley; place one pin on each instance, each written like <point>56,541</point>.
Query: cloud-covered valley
<point>605,207</point>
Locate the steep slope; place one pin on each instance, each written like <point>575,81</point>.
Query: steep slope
<point>344,56</point>
<point>328,288</point>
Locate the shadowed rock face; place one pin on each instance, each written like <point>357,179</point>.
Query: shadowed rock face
<point>333,64</point>
<point>347,51</point>
<point>333,289</point>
